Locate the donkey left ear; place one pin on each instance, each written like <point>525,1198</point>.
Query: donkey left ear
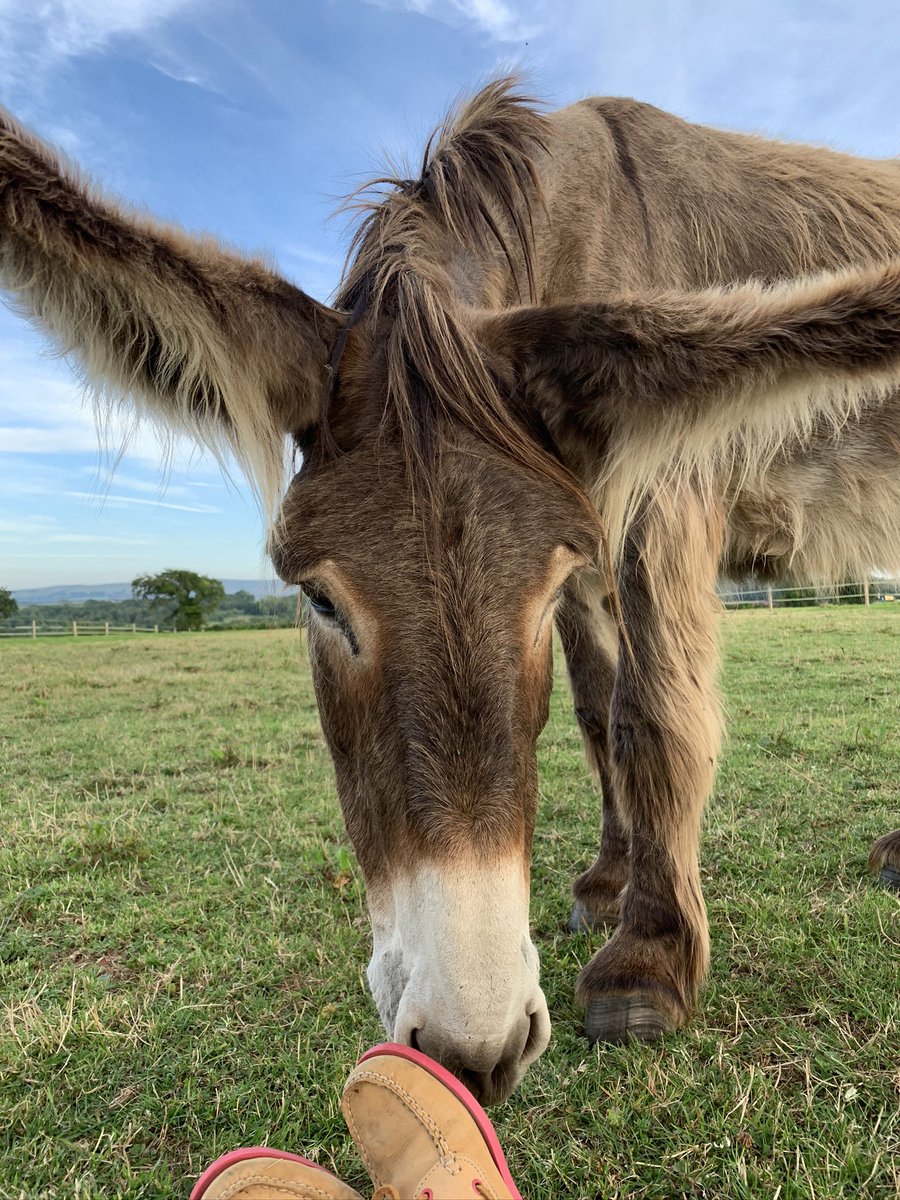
<point>679,379</point>
<point>200,337</point>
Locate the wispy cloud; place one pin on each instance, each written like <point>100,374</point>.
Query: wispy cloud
<point>59,29</point>
<point>148,487</point>
<point>309,254</point>
<point>37,529</point>
<point>500,21</point>
<point>186,74</point>
<point>40,36</point>
<point>43,413</point>
<point>106,499</point>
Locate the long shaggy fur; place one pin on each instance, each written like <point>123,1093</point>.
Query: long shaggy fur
<point>196,337</point>
<point>709,386</point>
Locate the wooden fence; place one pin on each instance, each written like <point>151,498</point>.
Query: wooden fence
<point>865,592</point>
<point>74,629</point>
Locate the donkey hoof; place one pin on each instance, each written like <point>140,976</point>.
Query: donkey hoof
<point>583,919</point>
<point>884,859</point>
<point>620,1019</point>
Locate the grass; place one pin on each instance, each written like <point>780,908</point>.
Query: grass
<point>183,933</point>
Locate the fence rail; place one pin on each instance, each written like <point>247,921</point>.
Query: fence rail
<point>37,629</point>
<point>865,592</point>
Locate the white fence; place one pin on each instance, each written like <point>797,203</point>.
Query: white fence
<point>866,592</point>
<point>74,629</point>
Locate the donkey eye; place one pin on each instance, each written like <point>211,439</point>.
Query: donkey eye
<point>328,611</point>
<point>320,602</point>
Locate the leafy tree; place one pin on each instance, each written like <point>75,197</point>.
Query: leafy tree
<point>241,601</point>
<point>190,597</point>
<point>8,604</point>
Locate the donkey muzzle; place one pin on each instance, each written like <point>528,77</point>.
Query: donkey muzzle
<point>454,972</point>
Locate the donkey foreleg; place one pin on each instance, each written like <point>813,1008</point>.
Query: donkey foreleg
<point>664,738</point>
<point>588,635</point>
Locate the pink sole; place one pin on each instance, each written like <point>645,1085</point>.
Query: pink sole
<point>214,1170</point>
<point>462,1093</point>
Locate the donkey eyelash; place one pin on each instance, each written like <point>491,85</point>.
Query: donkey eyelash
<point>319,602</point>
<point>325,608</point>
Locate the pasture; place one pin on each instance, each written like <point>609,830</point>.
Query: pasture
<point>183,936</point>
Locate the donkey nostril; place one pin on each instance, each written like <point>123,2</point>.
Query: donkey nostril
<point>477,1083</point>
<point>414,1039</point>
<point>534,1033</point>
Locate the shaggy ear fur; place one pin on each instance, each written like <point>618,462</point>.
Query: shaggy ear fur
<point>694,382</point>
<point>193,334</point>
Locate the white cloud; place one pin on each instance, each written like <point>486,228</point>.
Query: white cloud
<point>36,529</point>
<point>43,412</point>
<point>499,20</point>
<point>69,28</point>
<point>309,254</point>
<point>41,35</point>
<point>105,499</point>
<point>149,487</point>
<point>28,525</point>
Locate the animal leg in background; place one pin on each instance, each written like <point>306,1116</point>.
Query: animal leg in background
<point>588,635</point>
<point>885,859</point>
<point>664,737</point>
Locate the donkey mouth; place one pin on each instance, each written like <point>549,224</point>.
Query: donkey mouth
<point>490,1067</point>
<point>494,1084</point>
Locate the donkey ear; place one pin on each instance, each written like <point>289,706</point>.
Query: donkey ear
<point>195,335</point>
<point>684,380</point>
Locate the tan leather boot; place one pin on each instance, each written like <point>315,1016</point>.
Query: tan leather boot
<point>421,1133</point>
<point>258,1173</point>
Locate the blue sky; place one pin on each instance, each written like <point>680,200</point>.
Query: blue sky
<point>249,118</point>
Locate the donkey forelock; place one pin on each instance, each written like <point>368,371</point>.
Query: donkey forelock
<point>424,249</point>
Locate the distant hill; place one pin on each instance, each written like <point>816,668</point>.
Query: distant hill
<point>76,592</point>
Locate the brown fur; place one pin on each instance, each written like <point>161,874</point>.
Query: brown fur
<point>601,318</point>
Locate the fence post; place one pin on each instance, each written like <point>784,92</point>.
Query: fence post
<point>134,626</point>
<point>769,595</point>
<point>106,628</point>
<point>74,629</point>
<point>34,629</point>
<point>866,591</point>
<point>156,629</point>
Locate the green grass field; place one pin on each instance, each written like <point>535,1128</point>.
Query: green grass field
<point>183,934</point>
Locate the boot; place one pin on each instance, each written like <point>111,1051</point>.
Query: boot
<point>421,1133</point>
<point>258,1173</point>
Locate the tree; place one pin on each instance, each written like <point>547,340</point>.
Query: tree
<point>8,604</point>
<point>240,602</point>
<point>191,597</point>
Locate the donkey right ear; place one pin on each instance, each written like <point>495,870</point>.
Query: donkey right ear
<point>199,337</point>
<point>678,381</point>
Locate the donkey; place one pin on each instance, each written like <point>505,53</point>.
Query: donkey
<point>580,355</point>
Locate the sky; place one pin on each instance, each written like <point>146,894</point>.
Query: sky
<point>251,118</point>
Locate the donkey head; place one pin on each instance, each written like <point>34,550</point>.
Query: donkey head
<point>430,631</point>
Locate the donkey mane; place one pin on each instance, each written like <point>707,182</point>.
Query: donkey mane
<point>477,174</point>
<point>476,194</point>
